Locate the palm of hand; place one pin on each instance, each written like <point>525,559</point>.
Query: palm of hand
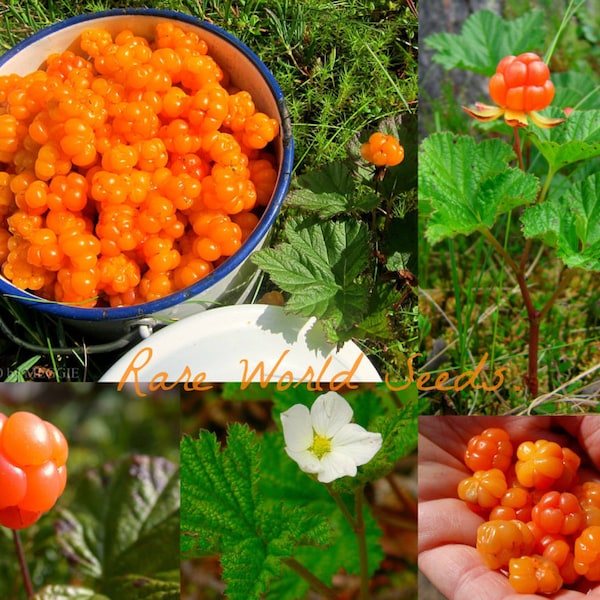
<point>448,529</point>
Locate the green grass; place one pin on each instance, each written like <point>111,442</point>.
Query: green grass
<point>343,66</point>
<point>474,305</point>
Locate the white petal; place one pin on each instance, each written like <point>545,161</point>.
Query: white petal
<point>297,428</point>
<point>330,412</point>
<point>357,443</point>
<point>335,465</point>
<point>306,460</point>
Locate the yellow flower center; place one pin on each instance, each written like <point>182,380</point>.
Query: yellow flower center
<point>320,446</point>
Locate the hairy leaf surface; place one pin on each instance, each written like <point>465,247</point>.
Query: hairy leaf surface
<point>485,39</point>
<point>468,185</point>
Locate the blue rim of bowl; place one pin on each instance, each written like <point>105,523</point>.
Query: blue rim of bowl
<point>266,221</point>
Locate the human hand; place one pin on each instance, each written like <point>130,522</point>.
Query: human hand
<point>448,528</point>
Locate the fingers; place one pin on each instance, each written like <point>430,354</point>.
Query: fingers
<point>587,432</point>
<point>446,521</point>
<point>460,574</point>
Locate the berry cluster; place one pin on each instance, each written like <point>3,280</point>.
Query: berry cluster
<point>130,171</point>
<point>382,150</point>
<point>543,526</point>
<point>522,83</point>
<point>33,472</point>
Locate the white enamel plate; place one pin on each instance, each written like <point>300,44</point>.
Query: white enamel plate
<point>244,343</point>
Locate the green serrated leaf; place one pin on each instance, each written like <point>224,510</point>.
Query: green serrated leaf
<point>578,138</point>
<point>320,266</point>
<point>328,191</point>
<point>401,238</point>
<point>124,519</point>
<point>542,221</point>
<point>398,261</point>
<point>485,39</point>
<point>67,592</point>
<point>571,223</point>
<point>376,325</point>
<point>468,185</point>
<point>575,90</point>
<point>206,473</point>
<point>222,512</point>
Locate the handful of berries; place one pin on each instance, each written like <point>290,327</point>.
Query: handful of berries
<point>543,527</point>
<point>33,472</point>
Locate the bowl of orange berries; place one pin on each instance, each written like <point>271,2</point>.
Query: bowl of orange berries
<point>144,156</point>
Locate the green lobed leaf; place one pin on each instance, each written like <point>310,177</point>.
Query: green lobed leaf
<point>578,138</point>
<point>67,592</point>
<point>571,223</point>
<point>207,475</point>
<point>485,39</point>
<point>575,90</point>
<point>320,267</point>
<point>223,513</point>
<point>124,519</point>
<point>468,185</point>
<point>401,237</point>
<point>376,325</point>
<point>330,191</point>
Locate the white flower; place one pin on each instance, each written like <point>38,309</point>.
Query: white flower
<point>324,441</point>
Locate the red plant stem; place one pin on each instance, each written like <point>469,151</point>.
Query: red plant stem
<point>22,563</point>
<point>533,316</point>
<point>525,255</point>
<point>517,148</point>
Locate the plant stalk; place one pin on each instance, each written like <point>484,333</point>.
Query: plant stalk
<point>534,344</point>
<point>533,316</point>
<point>23,563</point>
<point>342,506</point>
<point>361,538</point>
<point>315,583</point>
<point>358,526</point>
<point>517,148</point>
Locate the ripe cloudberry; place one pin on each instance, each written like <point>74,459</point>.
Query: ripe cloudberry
<point>544,527</point>
<point>521,87</point>
<point>534,574</point>
<point>522,83</point>
<point>33,456</point>
<point>492,449</point>
<point>382,150</point>
<point>499,541</point>
<point>539,464</point>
